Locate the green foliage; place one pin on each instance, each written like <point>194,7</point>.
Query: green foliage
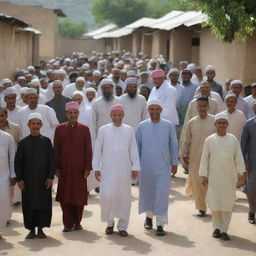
<point>120,12</point>
<point>230,19</point>
<point>72,29</point>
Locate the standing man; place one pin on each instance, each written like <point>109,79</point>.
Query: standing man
<point>248,145</point>
<point>35,169</point>
<point>10,96</point>
<point>101,107</point>
<point>221,162</point>
<point>59,101</point>
<point>115,162</point>
<point>236,118</point>
<point>7,176</point>
<point>250,100</point>
<point>72,145</point>
<point>49,117</point>
<point>211,73</point>
<point>135,105</point>
<point>191,147</point>
<point>187,95</point>
<point>242,105</point>
<point>15,131</point>
<point>166,94</point>
<point>158,150</point>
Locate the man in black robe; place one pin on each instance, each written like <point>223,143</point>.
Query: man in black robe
<point>35,169</point>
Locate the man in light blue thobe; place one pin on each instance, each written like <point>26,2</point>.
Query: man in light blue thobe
<point>248,146</point>
<point>158,150</point>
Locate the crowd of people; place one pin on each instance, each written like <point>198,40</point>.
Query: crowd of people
<point>112,120</point>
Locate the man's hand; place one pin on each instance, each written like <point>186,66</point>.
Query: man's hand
<point>174,169</point>
<point>48,183</point>
<point>205,181</point>
<point>86,173</point>
<point>21,185</point>
<point>186,160</point>
<point>57,173</point>
<point>98,176</point>
<point>134,175</point>
<point>12,181</point>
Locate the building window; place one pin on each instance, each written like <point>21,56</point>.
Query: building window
<point>195,41</point>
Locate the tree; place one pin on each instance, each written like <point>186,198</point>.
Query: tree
<point>72,29</point>
<point>120,12</point>
<point>230,19</point>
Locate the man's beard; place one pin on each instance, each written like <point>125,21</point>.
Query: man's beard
<point>107,96</point>
<point>132,95</point>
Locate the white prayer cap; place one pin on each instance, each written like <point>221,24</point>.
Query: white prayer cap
<point>35,116</point>
<point>96,73</point>
<point>106,81</point>
<point>30,68</point>
<point>9,91</point>
<point>191,66</point>
<point>56,63</point>
<point>209,67</point>
<point>236,82</point>
<point>90,89</point>
<point>35,82</point>
<point>62,71</point>
<point>131,73</point>
<point>123,71</point>
<point>173,70</point>
<point>5,81</point>
<point>154,102</point>
<point>85,66</point>
<point>67,60</point>
<point>230,95</point>
<point>23,90</point>
<point>78,93</point>
<point>57,82</point>
<point>21,77</point>
<point>51,61</point>
<point>80,78</point>
<point>30,91</point>
<point>221,115</point>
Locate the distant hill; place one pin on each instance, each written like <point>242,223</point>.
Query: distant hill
<point>77,10</point>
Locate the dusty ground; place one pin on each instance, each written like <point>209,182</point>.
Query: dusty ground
<point>186,233</point>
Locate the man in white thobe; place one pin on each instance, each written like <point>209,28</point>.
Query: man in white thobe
<point>101,107</point>
<point>115,162</point>
<point>10,96</point>
<point>242,105</point>
<point>191,147</point>
<point>166,94</point>
<point>236,118</point>
<point>135,105</point>
<point>250,99</point>
<point>7,176</point>
<point>220,164</point>
<point>79,85</point>
<point>48,114</point>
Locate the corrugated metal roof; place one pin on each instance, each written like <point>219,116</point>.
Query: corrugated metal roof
<point>191,17</point>
<point>104,29</point>
<point>12,20</point>
<point>165,18</point>
<point>127,30</point>
<point>29,29</point>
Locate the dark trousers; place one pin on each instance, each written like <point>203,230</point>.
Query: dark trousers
<point>72,214</point>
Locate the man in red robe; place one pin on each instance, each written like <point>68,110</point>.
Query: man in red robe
<point>72,146</point>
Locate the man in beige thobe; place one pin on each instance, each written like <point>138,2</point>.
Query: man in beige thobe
<point>220,164</point>
<point>236,118</point>
<point>205,90</point>
<point>197,130</point>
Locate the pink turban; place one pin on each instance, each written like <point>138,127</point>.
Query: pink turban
<point>118,107</point>
<point>157,73</point>
<point>71,105</point>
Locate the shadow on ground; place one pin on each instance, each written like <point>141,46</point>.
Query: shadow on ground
<point>130,243</point>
